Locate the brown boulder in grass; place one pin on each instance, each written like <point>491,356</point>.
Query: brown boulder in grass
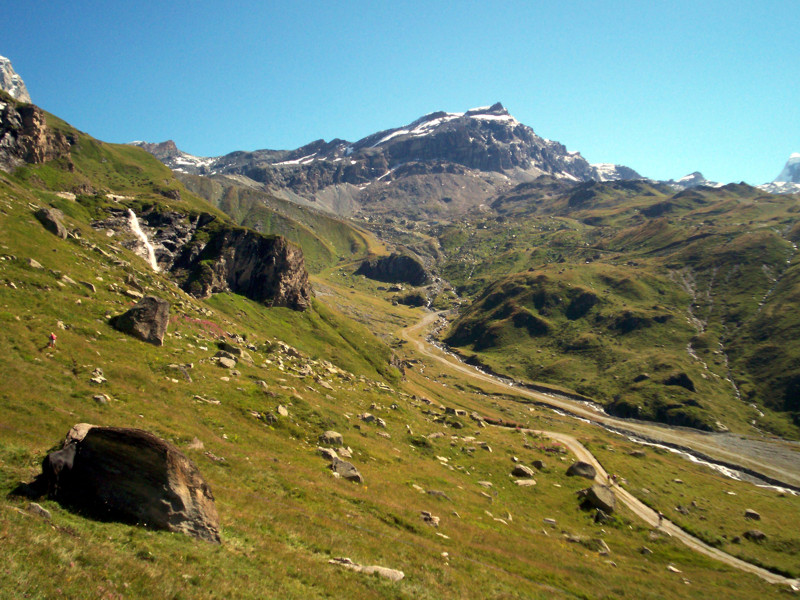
<point>130,475</point>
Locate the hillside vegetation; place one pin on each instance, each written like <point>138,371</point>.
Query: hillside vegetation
<point>253,430</point>
<point>661,305</point>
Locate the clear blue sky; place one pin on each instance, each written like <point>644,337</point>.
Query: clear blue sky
<point>683,86</point>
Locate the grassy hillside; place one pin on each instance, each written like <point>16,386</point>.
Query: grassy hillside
<point>325,240</point>
<point>283,515</point>
<point>673,307</point>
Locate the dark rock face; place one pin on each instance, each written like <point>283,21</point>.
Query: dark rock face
<point>599,497</point>
<point>52,220</point>
<point>263,268</point>
<point>582,469</point>
<point>25,137</point>
<point>146,321</point>
<point>132,476</point>
<point>207,256</point>
<point>395,268</point>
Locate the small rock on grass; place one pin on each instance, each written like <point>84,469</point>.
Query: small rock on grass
<point>39,511</point>
<point>392,574</point>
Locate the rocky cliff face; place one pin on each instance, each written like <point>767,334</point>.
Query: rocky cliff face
<point>11,82</point>
<point>25,136</point>
<point>208,256</point>
<point>265,269</point>
<point>396,268</point>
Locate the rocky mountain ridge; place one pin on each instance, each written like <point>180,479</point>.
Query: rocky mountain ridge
<point>441,149</point>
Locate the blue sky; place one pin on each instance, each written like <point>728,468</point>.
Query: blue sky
<point>666,90</point>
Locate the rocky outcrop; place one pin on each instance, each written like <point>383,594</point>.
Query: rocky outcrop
<point>25,136</point>
<point>52,219</point>
<point>266,269</point>
<point>132,476</point>
<point>395,268</point>
<point>146,321</point>
<point>207,256</point>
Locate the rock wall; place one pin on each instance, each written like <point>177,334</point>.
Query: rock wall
<point>266,269</point>
<point>395,268</point>
<point>25,136</point>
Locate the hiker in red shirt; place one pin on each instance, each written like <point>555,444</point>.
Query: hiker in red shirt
<point>52,342</point>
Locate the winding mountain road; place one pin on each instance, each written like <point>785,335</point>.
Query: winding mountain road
<point>413,334</point>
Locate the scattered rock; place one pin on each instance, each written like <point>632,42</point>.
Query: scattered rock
<point>637,453</point>
<point>328,453</point>
<point>38,510</point>
<point>226,363</point>
<point>52,220</point>
<point>582,469</point>
<point>195,444</point>
<point>596,545</point>
<point>346,470</point>
<point>430,519</point>
<point>146,321</point>
<point>754,535</point>
<point>751,514</point>
<point>525,482</point>
<point>132,476</point>
<point>101,398</point>
<point>331,438</point>
<point>538,465</point>
<point>391,574</point>
<point>551,522</point>
<point>522,471</point>
<point>33,264</point>
<point>645,551</point>
<point>599,496</point>
<point>282,411</point>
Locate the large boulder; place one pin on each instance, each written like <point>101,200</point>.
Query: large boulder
<point>582,469</point>
<point>132,476</point>
<point>52,220</point>
<point>146,321</point>
<point>599,496</point>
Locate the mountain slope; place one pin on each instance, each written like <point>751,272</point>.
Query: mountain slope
<point>657,304</point>
<point>481,150</point>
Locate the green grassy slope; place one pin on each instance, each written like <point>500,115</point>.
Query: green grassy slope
<point>283,515</point>
<point>615,289</point>
<point>325,240</point>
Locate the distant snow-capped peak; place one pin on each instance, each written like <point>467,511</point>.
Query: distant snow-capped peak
<point>11,82</point>
<point>791,171</point>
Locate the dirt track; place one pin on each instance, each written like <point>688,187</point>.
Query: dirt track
<point>641,510</point>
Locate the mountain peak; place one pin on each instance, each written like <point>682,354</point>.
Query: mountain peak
<point>11,82</point>
<point>791,170</point>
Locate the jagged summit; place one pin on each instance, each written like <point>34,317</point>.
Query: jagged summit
<point>11,82</point>
<point>692,180</point>
<point>439,156</point>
